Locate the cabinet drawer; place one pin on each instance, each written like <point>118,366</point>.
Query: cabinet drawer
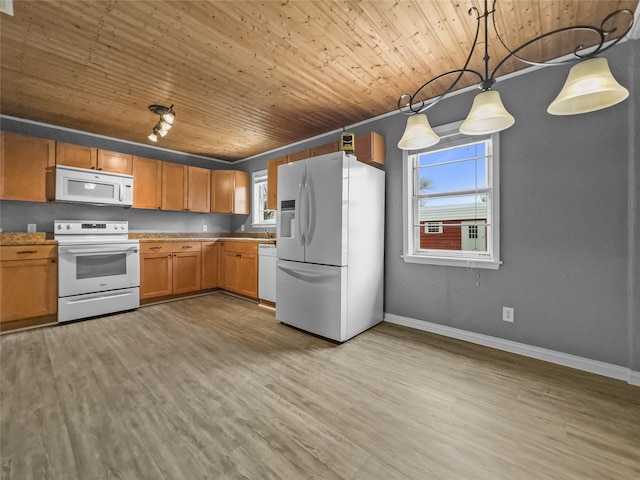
<point>27,252</point>
<point>186,247</point>
<point>169,247</point>
<point>156,247</point>
<point>241,247</point>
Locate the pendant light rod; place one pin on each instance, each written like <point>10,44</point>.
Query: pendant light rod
<point>411,104</point>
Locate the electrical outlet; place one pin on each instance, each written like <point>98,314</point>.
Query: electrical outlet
<point>508,314</point>
<point>31,227</point>
<point>204,228</point>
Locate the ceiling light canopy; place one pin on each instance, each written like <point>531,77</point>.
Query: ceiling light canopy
<point>590,85</point>
<point>167,116</point>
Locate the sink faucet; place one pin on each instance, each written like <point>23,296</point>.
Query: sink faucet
<point>265,232</point>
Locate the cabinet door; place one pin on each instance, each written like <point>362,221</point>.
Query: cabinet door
<point>301,155</point>
<point>174,186</point>
<point>371,148</point>
<point>232,271</point>
<point>186,272</point>
<point>272,181</point>
<point>248,275</point>
<point>147,183</point>
<point>222,186</point>
<point>199,189</point>
<point>156,274</point>
<point>28,288</point>
<point>26,168</point>
<point>323,149</point>
<point>241,192</point>
<point>115,162</point>
<point>210,264</point>
<point>76,155</point>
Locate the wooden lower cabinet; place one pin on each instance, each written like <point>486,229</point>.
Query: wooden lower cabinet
<point>187,271</point>
<point>28,286</point>
<point>176,268</point>
<point>241,268</point>
<point>211,265</point>
<point>169,268</point>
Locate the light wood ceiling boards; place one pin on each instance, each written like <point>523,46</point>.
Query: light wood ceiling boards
<point>247,76</point>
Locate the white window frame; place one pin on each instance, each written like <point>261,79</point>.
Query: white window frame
<point>489,259</point>
<point>258,178</point>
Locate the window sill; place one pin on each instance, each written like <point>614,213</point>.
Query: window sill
<point>453,261</point>
<point>264,225</point>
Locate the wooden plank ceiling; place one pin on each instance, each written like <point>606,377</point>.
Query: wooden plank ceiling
<point>248,76</point>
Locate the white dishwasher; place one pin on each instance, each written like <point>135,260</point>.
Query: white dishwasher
<point>267,272</point>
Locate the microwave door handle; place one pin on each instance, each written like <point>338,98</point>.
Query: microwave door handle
<point>120,193</point>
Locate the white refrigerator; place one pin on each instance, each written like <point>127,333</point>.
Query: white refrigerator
<point>330,238</point>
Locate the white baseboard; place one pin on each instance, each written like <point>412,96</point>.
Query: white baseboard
<point>559,358</point>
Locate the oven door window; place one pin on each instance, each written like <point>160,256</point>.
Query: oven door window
<point>93,266</point>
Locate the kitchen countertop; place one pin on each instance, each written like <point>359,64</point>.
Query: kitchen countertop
<point>194,237</point>
<point>38,238</point>
<point>46,238</point>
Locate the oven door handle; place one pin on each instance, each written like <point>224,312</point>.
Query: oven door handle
<point>91,251</point>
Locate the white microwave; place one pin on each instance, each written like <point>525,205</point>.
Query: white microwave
<point>80,185</point>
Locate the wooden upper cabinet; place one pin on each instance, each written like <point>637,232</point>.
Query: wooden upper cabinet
<point>147,183</point>
<point>91,158</point>
<point>229,191</point>
<point>371,148</point>
<point>115,162</point>
<point>272,181</point>
<point>323,149</point>
<point>301,155</point>
<point>174,186</point>
<point>26,168</point>
<point>199,196</point>
<point>76,155</point>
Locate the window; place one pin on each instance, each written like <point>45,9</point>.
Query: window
<point>433,227</point>
<point>451,201</point>
<point>260,215</point>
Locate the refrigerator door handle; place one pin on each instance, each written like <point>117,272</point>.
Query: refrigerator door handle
<point>305,274</point>
<point>310,210</point>
<point>301,211</point>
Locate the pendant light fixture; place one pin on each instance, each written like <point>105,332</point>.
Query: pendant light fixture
<point>167,116</point>
<point>590,85</point>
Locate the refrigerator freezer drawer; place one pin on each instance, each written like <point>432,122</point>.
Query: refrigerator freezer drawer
<point>316,300</point>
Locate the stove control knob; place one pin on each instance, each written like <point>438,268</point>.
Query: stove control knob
<point>68,227</point>
<point>59,227</point>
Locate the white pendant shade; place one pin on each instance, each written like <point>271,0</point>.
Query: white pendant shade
<point>590,86</point>
<point>418,134</point>
<point>487,115</point>
<point>153,137</point>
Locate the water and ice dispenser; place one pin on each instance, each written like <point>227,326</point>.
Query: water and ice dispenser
<point>288,218</point>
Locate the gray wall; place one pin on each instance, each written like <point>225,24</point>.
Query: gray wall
<point>569,232</point>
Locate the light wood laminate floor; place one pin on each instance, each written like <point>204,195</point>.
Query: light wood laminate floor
<point>215,388</point>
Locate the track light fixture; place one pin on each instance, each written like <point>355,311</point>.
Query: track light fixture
<point>589,87</point>
<point>167,116</point>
